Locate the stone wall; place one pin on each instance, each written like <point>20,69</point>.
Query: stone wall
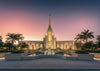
<point>25,57</point>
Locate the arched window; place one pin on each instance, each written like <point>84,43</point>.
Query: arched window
<point>66,46</point>
<point>41,45</point>
<point>37,45</point>
<point>57,45</point>
<point>61,45</point>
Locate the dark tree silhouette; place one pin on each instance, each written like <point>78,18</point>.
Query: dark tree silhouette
<point>12,38</point>
<point>23,45</point>
<point>1,42</point>
<point>87,35</point>
<point>88,45</point>
<point>98,41</point>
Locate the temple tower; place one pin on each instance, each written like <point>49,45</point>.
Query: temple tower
<point>50,40</point>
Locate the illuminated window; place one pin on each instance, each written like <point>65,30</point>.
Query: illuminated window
<point>61,45</point>
<point>37,45</point>
<point>66,46</point>
<point>57,45</point>
<point>49,36</point>
<point>49,44</point>
<point>33,46</point>
<point>41,45</point>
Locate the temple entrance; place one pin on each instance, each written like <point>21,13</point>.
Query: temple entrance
<point>49,52</point>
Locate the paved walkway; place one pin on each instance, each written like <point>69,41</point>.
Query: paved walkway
<point>49,63</point>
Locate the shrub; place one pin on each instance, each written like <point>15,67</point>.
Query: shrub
<point>61,53</point>
<point>17,51</point>
<point>37,53</point>
<point>2,51</point>
<point>81,52</point>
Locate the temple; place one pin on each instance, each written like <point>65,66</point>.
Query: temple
<point>50,42</point>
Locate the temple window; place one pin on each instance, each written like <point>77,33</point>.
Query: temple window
<point>61,45</point>
<point>37,45</point>
<point>57,45</point>
<point>41,45</point>
<point>49,44</point>
<point>49,36</point>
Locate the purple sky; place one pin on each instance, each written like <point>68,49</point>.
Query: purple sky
<point>31,17</point>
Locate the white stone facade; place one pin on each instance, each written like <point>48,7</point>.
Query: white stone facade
<point>66,45</point>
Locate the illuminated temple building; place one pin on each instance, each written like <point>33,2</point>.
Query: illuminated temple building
<point>50,42</point>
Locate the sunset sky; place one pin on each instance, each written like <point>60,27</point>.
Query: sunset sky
<point>31,17</point>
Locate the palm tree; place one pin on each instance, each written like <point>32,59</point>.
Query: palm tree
<point>83,36</point>
<point>87,35</point>
<point>79,37</point>
<point>12,38</point>
<point>9,45</point>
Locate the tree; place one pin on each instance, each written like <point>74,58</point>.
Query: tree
<point>0,38</point>
<point>87,35</point>
<point>1,43</point>
<point>23,45</point>
<point>94,47</point>
<point>98,41</point>
<point>98,38</point>
<point>79,37</point>
<point>98,44</point>
<point>84,36</point>
<point>87,45</point>
<point>12,38</point>
<point>9,45</point>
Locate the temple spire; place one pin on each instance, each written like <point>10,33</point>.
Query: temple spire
<point>49,27</point>
<point>49,19</point>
